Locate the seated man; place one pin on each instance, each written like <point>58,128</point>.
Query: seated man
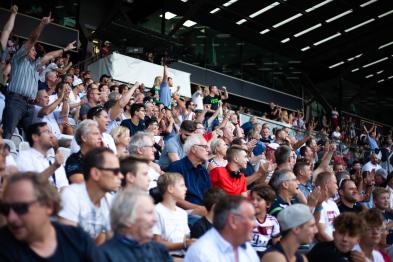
<point>135,172</point>
<point>229,238</point>
<point>28,203</point>
<point>132,221</point>
<point>87,205</point>
<point>195,174</point>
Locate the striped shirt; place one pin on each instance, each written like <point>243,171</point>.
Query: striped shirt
<point>24,74</point>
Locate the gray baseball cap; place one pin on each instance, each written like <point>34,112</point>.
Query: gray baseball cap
<point>293,216</point>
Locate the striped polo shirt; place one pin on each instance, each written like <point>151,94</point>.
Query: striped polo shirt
<point>24,74</point>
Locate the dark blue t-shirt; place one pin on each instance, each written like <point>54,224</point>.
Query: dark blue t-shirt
<point>133,128</point>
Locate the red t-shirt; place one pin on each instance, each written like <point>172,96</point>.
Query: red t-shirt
<point>220,177</point>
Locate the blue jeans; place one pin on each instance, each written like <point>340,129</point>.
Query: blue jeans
<point>17,111</point>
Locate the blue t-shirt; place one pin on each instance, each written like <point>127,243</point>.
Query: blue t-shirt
<point>173,145</point>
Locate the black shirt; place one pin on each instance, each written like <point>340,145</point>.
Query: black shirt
<point>200,227</point>
<point>355,209</point>
<point>326,251</point>
<point>133,128</point>
<point>73,244</point>
<point>74,165</point>
<point>120,248</point>
<point>213,102</point>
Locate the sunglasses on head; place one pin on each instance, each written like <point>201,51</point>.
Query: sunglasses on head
<point>19,208</point>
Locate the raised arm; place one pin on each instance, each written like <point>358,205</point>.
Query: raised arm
<point>225,95</point>
<point>165,74</point>
<point>123,101</point>
<point>37,31</point>
<point>52,55</point>
<point>5,34</point>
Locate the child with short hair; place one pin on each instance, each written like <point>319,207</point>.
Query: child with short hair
<point>267,230</point>
<point>171,228</point>
<point>382,203</point>
<point>210,199</point>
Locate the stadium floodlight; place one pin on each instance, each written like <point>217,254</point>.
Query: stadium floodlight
<point>307,30</point>
<point>263,10</point>
<point>339,16</point>
<point>327,39</point>
<point>287,20</point>
<point>318,6</point>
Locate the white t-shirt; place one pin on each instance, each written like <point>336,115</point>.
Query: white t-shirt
<point>197,99</point>
<point>50,119</point>
<point>263,232</point>
<point>31,160</point>
<point>370,166</point>
<point>377,256</point>
<point>172,225</point>
<point>78,208</point>
<point>153,175</point>
<point>328,214</point>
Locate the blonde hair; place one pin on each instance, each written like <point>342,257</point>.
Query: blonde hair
<point>168,179</point>
<point>118,132</point>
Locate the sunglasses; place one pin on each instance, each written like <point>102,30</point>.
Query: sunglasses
<point>19,208</point>
<point>115,171</point>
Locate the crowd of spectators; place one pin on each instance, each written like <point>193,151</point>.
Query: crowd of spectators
<point>122,172</point>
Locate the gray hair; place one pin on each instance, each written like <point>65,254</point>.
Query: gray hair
<point>138,141</point>
<point>124,209</point>
<point>48,73</point>
<point>279,177</point>
<point>214,144</point>
<point>83,129</point>
<point>192,140</point>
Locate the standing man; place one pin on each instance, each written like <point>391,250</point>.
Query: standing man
<point>23,87</point>
<point>165,88</point>
<point>228,240</point>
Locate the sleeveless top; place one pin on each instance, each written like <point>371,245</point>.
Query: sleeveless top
<point>278,248</point>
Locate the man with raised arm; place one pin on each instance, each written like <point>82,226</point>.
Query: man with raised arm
<point>23,87</point>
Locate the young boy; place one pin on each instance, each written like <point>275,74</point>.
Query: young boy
<point>210,199</point>
<point>382,203</point>
<point>267,230</point>
<point>171,228</point>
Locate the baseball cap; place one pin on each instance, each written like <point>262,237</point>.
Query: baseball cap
<point>273,146</point>
<point>294,216</point>
<point>77,81</point>
<point>382,172</point>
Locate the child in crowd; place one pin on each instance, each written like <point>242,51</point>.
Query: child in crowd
<point>382,203</point>
<point>171,228</point>
<point>210,199</point>
<point>267,230</point>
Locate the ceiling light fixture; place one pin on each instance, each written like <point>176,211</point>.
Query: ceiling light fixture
<point>368,76</point>
<point>368,3</point>
<point>215,10</point>
<point>375,62</point>
<point>189,23</point>
<point>318,6</point>
<point>385,45</point>
<point>241,21</point>
<point>263,10</point>
<point>169,15</point>
<point>337,64</point>
<point>354,70</point>
<point>382,80</point>
<point>327,39</point>
<point>359,25</point>
<point>287,20</point>
<point>264,31</point>
<point>339,16</point>
<point>307,30</point>
<point>285,40</point>
<point>305,48</point>
<point>230,2</point>
<point>385,14</point>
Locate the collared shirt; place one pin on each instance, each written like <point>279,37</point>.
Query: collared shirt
<point>307,188</point>
<point>31,160</point>
<point>24,74</point>
<point>173,145</point>
<point>213,247</point>
<point>278,205</point>
<point>221,178</point>
<point>197,179</point>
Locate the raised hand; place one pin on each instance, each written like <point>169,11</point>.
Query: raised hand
<point>70,46</point>
<point>47,19</point>
<point>14,9</point>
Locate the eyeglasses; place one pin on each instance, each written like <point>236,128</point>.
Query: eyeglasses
<point>203,146</point>
<point>115,171</point>
<point>152,146</point>
<point>20,208</point>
